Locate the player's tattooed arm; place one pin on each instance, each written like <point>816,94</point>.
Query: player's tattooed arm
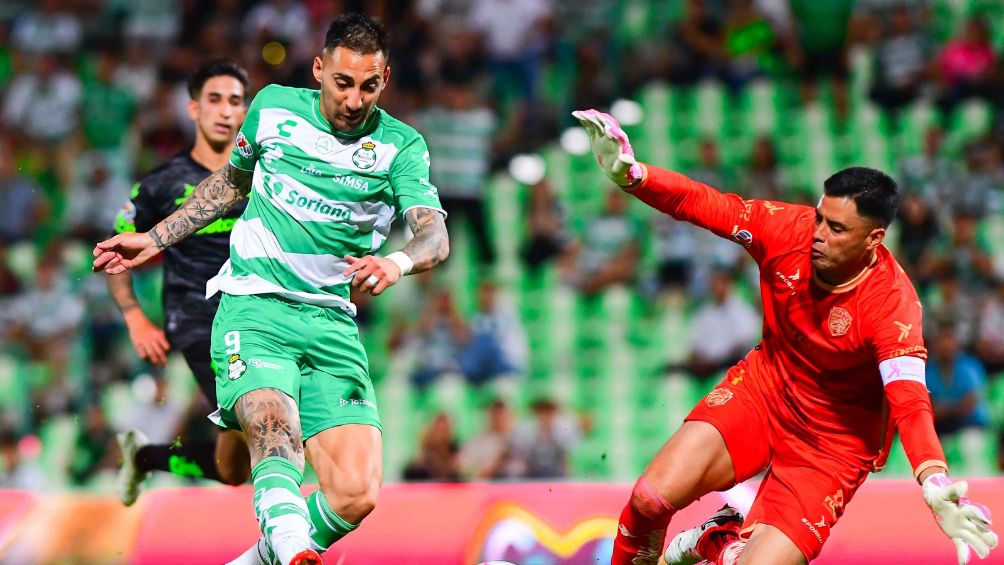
<point>431,244</point>
<point>213,198</point>
<point>270,421</point>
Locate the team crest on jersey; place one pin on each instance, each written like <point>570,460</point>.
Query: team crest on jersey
<point>718,397</point>
<point>840,321</point>
<point>365,157</point>
<point>237,367</point>
<point>243,147</point>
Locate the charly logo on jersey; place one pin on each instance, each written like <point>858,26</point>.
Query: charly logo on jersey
<point>840,321</point>
<point>243,147</point>
<point>365,157</point>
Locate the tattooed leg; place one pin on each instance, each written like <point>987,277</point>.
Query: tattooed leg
<point>272,423</point>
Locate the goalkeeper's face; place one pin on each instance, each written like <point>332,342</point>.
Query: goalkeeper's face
<point>351,84</point>
<point>843,241</point>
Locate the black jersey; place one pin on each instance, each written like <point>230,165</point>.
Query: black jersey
<point>187,264</point>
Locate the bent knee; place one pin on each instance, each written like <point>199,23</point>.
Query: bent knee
<point>647,500</point>
<point>233,474</point>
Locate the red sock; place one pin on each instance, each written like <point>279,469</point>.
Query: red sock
<point>641,531</point>
<point>731,550</point>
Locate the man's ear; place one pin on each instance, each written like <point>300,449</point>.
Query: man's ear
<point>876,237</point>
<point>193,110</point>
<point>317,70</point>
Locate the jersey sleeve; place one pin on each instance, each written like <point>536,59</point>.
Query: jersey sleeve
<point>246,148</point>
<point>763,227</point>
<point>895,329</point>
<point>409,176</point>
<point>139,213</point>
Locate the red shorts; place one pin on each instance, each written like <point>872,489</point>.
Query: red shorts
<point>806,488</point>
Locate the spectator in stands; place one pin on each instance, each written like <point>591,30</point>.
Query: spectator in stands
<point>957,382</point>
<point>931,174</point>
<point>107,108</point>
<point>10,285</point>
<point>440,333</point>
<point>918,231</point>
<point>819,47</point>
<point>979,191</point>
<point>609,251</point>
<point>458,128</point>
<point>951,305</point>
<point>496,342</point>
<point>548,235</point>
<point>95,449</point>
<point>276,20</point>
<point>696,45</point>
<point>515,38</point>
<point>18,469</point>
<point>990,334</point>
<point>541,447</point>
<point>965,65</point>
<point>901,61</point>
<point>749,44</point>
<point>93,202</point>
<point>46,321</point>
<point>487,456</point>
<point>965,253</point>
<point>22,205</point>
<point>709,169</point>
<point>724,328</point>
<point>47,29</point>
<point>43,106</point>
<point>762,179</point>
<point>438,456</point>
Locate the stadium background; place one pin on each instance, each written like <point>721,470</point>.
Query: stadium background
<point>595,366</point>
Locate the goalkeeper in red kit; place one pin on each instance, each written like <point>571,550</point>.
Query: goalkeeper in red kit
<point>816,402</point>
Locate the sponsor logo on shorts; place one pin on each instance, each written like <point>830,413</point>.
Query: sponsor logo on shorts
<point>840,321</point>
<point>835,503</point>
<point>236,367</point>
<point>262,364</point>
<point>357,401</point>
<point>812,528</point>
<point>718,397</point>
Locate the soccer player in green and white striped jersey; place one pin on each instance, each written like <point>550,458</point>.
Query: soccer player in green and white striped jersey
<point>329,171</point>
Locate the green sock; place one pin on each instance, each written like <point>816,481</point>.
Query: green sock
<point>326,527</point>
<point>279,506</point>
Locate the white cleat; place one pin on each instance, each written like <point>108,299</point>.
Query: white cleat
<point>683,549</point>
<point>130,480</point>
<point>258,554</point>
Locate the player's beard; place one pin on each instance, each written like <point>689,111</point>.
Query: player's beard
<point>218,145</point>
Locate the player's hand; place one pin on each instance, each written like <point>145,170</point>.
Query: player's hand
<point>967,523</point>
<point>611,147</point>
<point>372,274</point>
<point>148,340</point>
<point>122,252</point>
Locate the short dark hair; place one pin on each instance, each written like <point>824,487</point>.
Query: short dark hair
<point>874,192</point>
<point>358,33</point>
<point>215,68</point>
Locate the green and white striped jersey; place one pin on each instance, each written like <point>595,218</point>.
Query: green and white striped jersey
<point>317,195</point>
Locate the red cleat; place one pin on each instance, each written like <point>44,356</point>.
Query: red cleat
<point>307,557</point>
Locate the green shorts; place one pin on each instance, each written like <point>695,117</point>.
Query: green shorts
<point>309,352</point>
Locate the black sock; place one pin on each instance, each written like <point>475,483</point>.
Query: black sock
<point>185,459</point>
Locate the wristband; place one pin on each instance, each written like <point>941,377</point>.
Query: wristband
<point>402,261</point>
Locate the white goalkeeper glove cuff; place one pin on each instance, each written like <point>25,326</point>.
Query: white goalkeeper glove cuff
<point>967,523</point>
<point>611,147</point>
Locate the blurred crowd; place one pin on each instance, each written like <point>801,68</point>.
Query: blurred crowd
<point>92,95</point>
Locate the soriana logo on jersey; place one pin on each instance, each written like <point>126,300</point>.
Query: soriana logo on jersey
<point>840,321</point>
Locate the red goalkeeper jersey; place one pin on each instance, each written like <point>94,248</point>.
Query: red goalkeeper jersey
<point>822,345</point>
